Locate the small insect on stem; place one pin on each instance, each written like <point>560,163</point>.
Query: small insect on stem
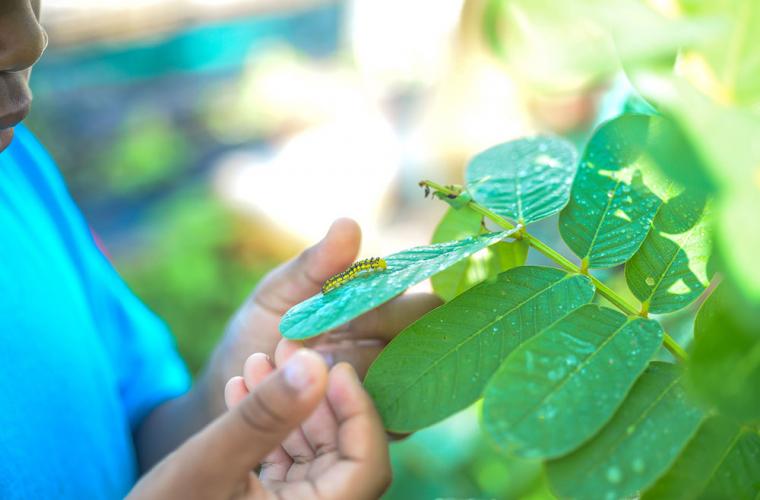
<point>425,187</point>
<point>366,265</point>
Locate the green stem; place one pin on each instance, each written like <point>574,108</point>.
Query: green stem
<point>605,291</point>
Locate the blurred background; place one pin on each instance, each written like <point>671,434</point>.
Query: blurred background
<point>209,140</point>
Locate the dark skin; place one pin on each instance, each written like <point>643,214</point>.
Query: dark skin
<point>298,411</point>
<point>22,41</point>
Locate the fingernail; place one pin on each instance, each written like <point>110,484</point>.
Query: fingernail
<point>260,355</point>
<point>297,373</point>
<point>349,370</point>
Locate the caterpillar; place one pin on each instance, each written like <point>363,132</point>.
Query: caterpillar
<point>373,264</point>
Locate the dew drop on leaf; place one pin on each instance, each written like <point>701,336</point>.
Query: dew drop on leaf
<point>614,475</point>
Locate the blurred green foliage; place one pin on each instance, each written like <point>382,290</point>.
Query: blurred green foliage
<point>151,151</point>
<point>454,460</point>
<point>195,272</point>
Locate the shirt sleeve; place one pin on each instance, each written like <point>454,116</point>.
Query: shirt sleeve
<point>144,361</point>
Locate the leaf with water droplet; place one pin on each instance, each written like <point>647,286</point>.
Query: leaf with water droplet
<point>664,420</point>
<point>524,180</point>
<point>612,202</point>
<point>404,269</point>
<point>721,461</point>
<point>448,355</point>
<point>669,270</point>
<point>586,392</point>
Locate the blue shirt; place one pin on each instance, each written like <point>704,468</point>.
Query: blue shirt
<point>82,360</point>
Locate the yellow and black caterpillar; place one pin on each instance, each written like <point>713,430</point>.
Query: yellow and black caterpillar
<point>373,264</point>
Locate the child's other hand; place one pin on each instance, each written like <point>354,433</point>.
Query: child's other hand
<point>316,436</point>
<point>339,451</point>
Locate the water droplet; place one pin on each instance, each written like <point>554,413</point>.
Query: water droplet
<point>630,430</point>
<point>649,281</point>
<point>614,475</point>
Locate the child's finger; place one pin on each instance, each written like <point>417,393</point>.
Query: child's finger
<point>295,445</point>
<point>303,276</point>
<point>275,465</point>
<point>234,391</point>
<point>387,320</point>
<point>235,443</point>
<point>320,430</point>
<point>255,369</point>
<point>364,466</point>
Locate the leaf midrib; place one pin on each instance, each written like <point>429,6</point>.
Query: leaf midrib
<point>602,219</point>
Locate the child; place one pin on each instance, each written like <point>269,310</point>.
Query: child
<point>93,392</point>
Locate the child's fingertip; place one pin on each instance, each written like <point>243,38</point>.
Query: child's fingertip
<point>234,391</point>
<point>347,370</point>
<point>285,349</point>
<point>256,368</point>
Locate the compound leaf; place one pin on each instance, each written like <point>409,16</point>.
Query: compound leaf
<point>440,363</point>
<point>572,375</point>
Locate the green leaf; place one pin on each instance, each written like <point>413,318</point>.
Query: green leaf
<point>637,446</point>
<point>525,180</point>
<point>673,153</point>
<point>406,268</point>
<point>724,367</point>
<point>572,375</point>
<point>721,461</point>
<point>455,225</point>
<point>506,255</point>
<point>440,363</point>
<point>669,271</point>
<point>611,203</point>
<point>731,159</point>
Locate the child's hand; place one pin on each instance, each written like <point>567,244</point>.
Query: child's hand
<point>316,436</point>
<point>255,327</point>
<point>339,451</point>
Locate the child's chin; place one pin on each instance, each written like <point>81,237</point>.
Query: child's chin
<point>6,136</point>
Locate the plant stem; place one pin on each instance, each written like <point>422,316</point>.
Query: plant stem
<point>605,291</point>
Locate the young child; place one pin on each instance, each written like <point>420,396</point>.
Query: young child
<point>92,392</point>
